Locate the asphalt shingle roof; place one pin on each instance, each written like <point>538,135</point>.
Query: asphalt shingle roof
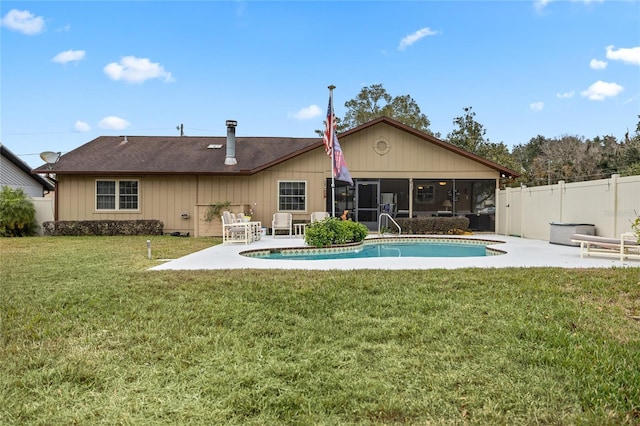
<point>191,155</point>
<point>179,154</point>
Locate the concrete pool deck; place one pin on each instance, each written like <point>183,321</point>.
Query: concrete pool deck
<point>520,252</point>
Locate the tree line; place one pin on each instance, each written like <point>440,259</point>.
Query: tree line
<point>541,161</point>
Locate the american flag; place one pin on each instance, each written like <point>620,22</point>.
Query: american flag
<point>330,129</point>
<point>340,170</point>
<point>332,146</point>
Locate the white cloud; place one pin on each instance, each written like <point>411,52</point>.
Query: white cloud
<point>540,4</point>
<point>600,90</point>
<point>113,123</point>
<point>136,70</point>
<point>23,21</point>
<point>69,56</point>
<point>627,55</point>
<point>565,95</point>
<point>81,126</point>
<point>307,113</point>
<point>597,65</point>
<point>536,106</point>
<point>412,38</point>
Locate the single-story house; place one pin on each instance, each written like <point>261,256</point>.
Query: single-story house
<point>17,174</point>
<point>395,169</point>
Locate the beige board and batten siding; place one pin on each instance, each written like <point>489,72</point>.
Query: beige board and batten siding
<point>236,190</point>
<point>402,155</point>
<point>384,152</point>
<point>213,227</point>
<point>260,191</point>
<point>162,198</point>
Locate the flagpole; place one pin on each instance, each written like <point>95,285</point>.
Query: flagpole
<point>333,177</point>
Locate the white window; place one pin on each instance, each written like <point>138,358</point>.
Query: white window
<point>117,195</point>
<point>292,196</point>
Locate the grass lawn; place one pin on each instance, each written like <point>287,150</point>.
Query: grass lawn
<point>89,336</point>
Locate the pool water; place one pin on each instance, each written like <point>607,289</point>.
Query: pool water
<point>387,249</point>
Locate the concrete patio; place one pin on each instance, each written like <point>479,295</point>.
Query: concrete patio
<point>520,252</point>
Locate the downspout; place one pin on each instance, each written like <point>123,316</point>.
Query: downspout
<point>196,209</point>
<point>55,201</point>
<point>55,197</point>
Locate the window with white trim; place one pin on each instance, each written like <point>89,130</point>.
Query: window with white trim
<point>117,194</point>
<point>292,195</point>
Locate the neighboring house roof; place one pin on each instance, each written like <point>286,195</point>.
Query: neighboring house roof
<point>24,167</point>
<point>110,155</point>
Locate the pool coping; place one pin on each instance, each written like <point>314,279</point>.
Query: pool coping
<point>519,252</point>
<point>343,248</point>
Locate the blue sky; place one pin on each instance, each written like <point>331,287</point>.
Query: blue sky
<point>73,71</point>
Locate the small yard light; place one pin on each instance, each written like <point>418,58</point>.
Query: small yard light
<point>149,249</point>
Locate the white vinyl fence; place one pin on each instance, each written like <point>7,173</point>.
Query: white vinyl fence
<point>44,210</point>
<point>609,204</point>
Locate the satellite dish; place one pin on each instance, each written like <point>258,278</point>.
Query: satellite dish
<point>50,157</point>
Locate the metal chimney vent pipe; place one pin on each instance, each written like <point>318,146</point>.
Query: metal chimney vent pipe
<point>230,160</point>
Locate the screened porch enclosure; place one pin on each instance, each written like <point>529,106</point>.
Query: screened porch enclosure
<point>368,198</point>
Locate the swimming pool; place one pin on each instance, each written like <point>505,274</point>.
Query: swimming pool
<point>384,247</point>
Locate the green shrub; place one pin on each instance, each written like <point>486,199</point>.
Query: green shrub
<point>354,231</point>
<point>332,231</point>
<point>433,225</point>
<point>17,213</point>
<point>635,225</point>
<point>103,227</point>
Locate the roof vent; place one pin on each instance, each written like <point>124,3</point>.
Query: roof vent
<point>214,146</point>
<point>230,160</point>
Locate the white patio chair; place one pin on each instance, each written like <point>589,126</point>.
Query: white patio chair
<point>319,216</point>
<point>282,222</point>
<point>234,231</point>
